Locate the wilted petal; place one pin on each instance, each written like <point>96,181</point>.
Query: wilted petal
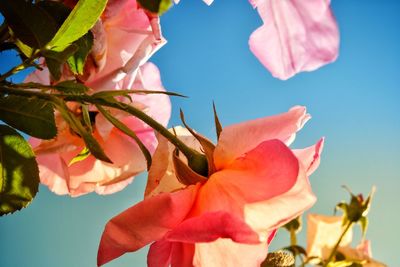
<point>143,223</point>
<point>226,253</point>
<point>162,176</point>
<point>296,36</point>
<point>213,225</point>
<point>240,138</point>
<point>322,234</point>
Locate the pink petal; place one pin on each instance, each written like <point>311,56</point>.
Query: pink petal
<point>53,173</point>
<point>310,156</point>
<point>130,42</point>
<point>143,223</point>
<point>213,225</point>
<point>264,216</point>
<point>158,106</point>
<point>264,174</point>
<point>237,139</point>
<point>323,233</point>
<point>226,253</point>
<point>39,76</point>
<point>296,36</point>
<point>159,254</point>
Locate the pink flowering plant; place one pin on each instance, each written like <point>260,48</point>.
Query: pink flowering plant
<point>96,113</point>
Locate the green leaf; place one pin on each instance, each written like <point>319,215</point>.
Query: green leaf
<point>80,157</point>
<point>114,121</point>
<point>206,167</point>
<point>156,6</point>
<point>79,22</point>
<point>364,225</point>
<point>19,180</point>
<point>218,126</point>
<point>55,60</point>
<point>77,61</point>
<point>29,23</point>
<point>57,10</point>
<point>30,115</point>
<point>76,125</point>
<point>86,117</point>
<point>71,87</point>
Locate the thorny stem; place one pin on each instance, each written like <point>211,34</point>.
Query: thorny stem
<point>195,159</point>
<point>333,252</point>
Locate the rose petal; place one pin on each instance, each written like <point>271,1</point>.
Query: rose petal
<point>323,233</point>
<point>264,216</point>
<point>240,138</point>
<point>310,156</point>
<point>226,253</point>
<point>162,176</point>
<point>213,225</point>
<point>296,36</point>
<point>182,254</point>
<point>143,223</point>
<point>159,254</point>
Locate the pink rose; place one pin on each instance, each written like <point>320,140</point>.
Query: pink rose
<point>54,156</point>
<point>125,38</point>
<point>229,218</point>
<point>297,35</point>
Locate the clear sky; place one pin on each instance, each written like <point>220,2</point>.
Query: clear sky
<point>354,103</point>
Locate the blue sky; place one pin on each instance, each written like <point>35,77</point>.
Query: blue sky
<point>354,103</point>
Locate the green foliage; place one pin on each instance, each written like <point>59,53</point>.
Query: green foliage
<point>76,125</point>
<point>55,60</point>
<point>30,115</point>
<point>78,23</point>
<point>28,22</point>
<point>19,180</point>
<point>122,127</point>
<point>77,61</point>
<point>80,157</point>
<point>156,6</point>
<point>71,87</point>
<point>218,126</point>
<point>357,209</point>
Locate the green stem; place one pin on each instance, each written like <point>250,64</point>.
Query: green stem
<point>196,160</point>
<point>333,252</point>
<point>293,238</point>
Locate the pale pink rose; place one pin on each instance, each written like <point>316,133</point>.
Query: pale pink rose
<point>259,184</point>
<point>323,232</point>
<point>54,156</point>
<point>125,39</point>
<point>296,36</point>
